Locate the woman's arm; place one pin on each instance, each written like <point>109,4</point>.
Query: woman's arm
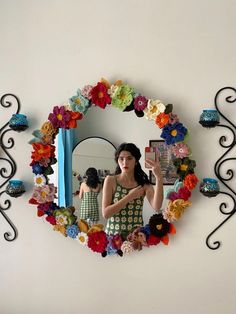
<point>81,190</point>
<point>155,194</point>
<point>109,209</point>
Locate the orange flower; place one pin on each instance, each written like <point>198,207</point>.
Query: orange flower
<point>74,116</point>
<point>190,181</point>
<point>42,151</point>
<point>47,128</point>
<point>162,119</point>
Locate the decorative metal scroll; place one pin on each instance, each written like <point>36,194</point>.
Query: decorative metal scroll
<point>8,170</point>
<point>229,174</point>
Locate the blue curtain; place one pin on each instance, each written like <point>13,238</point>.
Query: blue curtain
<point>65,147</point>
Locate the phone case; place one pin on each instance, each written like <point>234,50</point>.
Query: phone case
<point>150,153</point>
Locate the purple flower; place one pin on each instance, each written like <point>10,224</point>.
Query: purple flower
<point>59,117</point>
<point>140,103</point>
<point>173,133</point>
<point>72,231</point>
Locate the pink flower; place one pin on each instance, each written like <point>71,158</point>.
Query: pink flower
<point>59,117</point>
<point>44,194</point>
<point>180,150</point>
<point>86,91</point>
<point>173,118</point>
<point>140,103</point>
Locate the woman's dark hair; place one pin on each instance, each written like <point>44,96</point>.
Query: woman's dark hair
<point>91,178</point>
<point>139,175</point>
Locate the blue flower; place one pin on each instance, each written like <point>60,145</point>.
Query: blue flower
<point>79,103</point>
<point>173,133</point>
<point>72,231</point>
<point>37,169</point>
<point>146,230</point>
<point>110,250</point>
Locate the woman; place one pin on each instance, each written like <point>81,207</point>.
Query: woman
<point>123,193</point>
<point>89,190</point>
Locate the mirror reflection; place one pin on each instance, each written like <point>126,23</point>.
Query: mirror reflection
<point>92,161</point>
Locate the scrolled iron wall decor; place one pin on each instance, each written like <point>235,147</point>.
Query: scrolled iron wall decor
<point>15,188</point>
<point>211,120</point>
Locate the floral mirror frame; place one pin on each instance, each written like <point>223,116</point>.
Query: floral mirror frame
<point>62,219</point>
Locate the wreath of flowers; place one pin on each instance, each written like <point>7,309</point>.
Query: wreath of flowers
<point>66,116</point>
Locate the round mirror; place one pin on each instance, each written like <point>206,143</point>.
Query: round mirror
<point>92,161</point>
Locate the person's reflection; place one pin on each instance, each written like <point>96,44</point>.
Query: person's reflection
<point>89,190</point>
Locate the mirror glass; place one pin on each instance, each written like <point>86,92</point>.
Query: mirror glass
<point>96,153</point>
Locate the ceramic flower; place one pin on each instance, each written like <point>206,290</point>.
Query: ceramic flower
<point>175,210</point>
<point>42,151</point>
<point>184,166</point>
<point>82,238</point>
<point>65,215</point>
<point>190,181</point>
<point>72,231</point>
<point>86,91</point>
<point>59,117</point>
<point>79,102</point>
<point>100,96</point>
<point>127,247</point>
<point>45,193</point>
<point>162,119</point>
<point>97,241</point>
<point>173,118</point>
<point>180,150</point>
<point>39,180</point>
<point>123,97</point>
<point>173,133</point>
<point>153,109</point>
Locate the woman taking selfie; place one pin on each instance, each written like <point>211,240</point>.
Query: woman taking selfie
<point>124,192</point>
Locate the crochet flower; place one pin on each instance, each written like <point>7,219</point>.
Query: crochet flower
<point>39,180</point>
<point>116,241</point>
<point>127,247</point>
<point>162,119</point>
<point>97,241</point>
<point>123,97</point>
<point>173,133</point>
<point>183,193</point>
<point>190,181</point>
<point>173,118</point>
<point>72,231</point>
<point>82,238</point>
<point>37,168</point>
<point>153,240</point>
<point>48,129</point>
<point>60,228</point>
<point>153,109</point>
<point>180,150</point>
<point>51,219</point>
<point>175,210</point>
<point>138,239</point>
<point>184,166</point>
<point>86,91</point>
<point>65,215</point>
<point>100,95</point>
<point>42,151</point>
<point>146,230</point>
<point>79,103</point>
<point>113,90</point>
<point>74,116</point>
<point>45,162</point>
<point>45,193</point>
<point>140,103</point>
<point>160,228</point>
<point>110,250</point>
<point>43,208</point>
<point>59,117</point>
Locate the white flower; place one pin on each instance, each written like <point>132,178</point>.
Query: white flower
<point>127,247</point>
<point>39,180</point>
<point>153,109</point>
<point>61,220</point>
<point>82,238</point>
<point>113,90</point>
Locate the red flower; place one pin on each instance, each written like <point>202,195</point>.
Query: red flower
<point>74,116</point>
<point>116,241</point>
<point>184,193</point>
<point>42,151</point>
<point>153,240</point>
<point>51,220</point>
<point>190,181</point>
<point>97,241</point>
<point>100,96</point>
<point>162,119</point>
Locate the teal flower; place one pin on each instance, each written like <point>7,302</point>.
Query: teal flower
<point>79,103</point>
<point>123,97</point>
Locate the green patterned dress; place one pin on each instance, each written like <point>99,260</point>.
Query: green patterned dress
<point>129,217</point>
<point>89,209</point>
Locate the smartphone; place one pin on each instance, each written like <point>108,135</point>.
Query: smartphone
<point>150,153</point>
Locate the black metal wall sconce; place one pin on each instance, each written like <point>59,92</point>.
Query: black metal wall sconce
<point>210,187</point>
<point>15,188</point>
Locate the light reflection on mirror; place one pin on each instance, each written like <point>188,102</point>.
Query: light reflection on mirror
<point>93,152</point>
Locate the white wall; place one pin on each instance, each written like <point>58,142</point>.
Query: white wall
<point>179,51</point>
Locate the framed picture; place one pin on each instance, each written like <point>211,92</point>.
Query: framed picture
<point>167,166</point>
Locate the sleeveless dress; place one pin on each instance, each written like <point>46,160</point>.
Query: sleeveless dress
<point>129,217</point>
<point>89,209</point>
